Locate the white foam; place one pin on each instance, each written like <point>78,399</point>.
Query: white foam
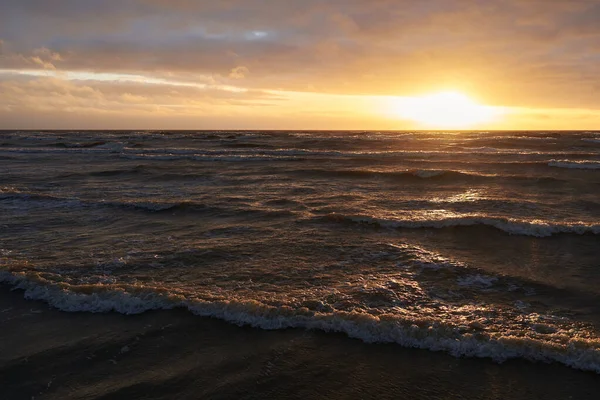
<point>541,343</point>
<point>112,147</point>
<point>575,164</point>
<point>112,298</point>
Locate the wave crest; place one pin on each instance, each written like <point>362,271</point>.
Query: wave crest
<point>512,226</point>
<point>542,342</point>
<point>574,164</point>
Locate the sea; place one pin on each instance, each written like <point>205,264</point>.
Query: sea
<point>476,244</point>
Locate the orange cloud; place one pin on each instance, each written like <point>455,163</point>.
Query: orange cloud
<point>529,54</point>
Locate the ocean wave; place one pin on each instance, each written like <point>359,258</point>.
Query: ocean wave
<point>426,174</point>
<point>78,145</point>
<point>9,193</point>
<point>153,206</point>
<point>105,173</point>
<point>157,206</point>
<point>574,164</point>
<point>210,158</point>
<point>477,281</point>
<point>539,138</point>
<point>591,140</point>
<point>168,153</point>
<point>486,151</point>
<point>537,228</point>
<point>189,206</point>
<point>254,151</point>
<point>409,173</point>
<point>57,150</point>
<point>542,341</point>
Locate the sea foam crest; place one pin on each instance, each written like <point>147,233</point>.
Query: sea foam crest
<point>574,164</point>
<point>512,226</point>
<point>576,352</point>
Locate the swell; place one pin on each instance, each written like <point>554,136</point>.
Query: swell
<point>581,351</point>
<point>591,140</point>
<point>185,206</point>
<point>513,226</point>
<point>441,175</point>
<point>148,170</point>
<point>410,174</point>
<point>126,150</point>
<point>77,145</point>
<point>149,206</point>
<point>210,157</point>
<point>415,174</point>
<point>108,173</point>
<point>575,164</point>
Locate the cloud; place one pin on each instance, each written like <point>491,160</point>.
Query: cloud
<point>239,72</point>
<point>44,58</point>
<point>48,94</point>
<point>534,53</point>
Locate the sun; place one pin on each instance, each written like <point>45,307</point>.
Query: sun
<point>443,110</point>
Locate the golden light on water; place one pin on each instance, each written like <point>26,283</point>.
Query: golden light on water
<point>444,110</point>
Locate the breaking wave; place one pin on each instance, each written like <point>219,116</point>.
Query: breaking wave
<point>418,174</point>
<point>537,228</point>
<point>573,164</point>
<point>187,206</point>
<point>541,342</point>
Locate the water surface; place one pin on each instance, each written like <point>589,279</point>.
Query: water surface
<point>474,243</point>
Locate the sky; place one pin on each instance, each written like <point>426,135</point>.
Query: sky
<point>291,64</point>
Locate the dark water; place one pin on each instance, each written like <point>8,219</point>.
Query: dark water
<point>477,244</point>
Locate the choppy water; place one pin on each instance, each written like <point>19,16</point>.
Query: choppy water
<point>478,244</point>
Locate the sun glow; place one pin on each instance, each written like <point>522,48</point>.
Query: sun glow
<point>444,110</point>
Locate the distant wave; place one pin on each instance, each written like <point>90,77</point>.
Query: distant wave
<point>78,145</point>
<point>152,206</point>
<point>155,171</point>
<point>210,158</point>
<point>301,152</point>
<point>193,206</point>
<point>512,226</point>
<point>574,164</point>
<point>591,140</point>
<point>420,174</point>
<point>139,205</point>
<point>157,206</point>
<point>369,173</point>
<point>173,153</point>
<point>108,172</point>
<point>540,342</point>
<point>513,137</point>
<point>63,150</point>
